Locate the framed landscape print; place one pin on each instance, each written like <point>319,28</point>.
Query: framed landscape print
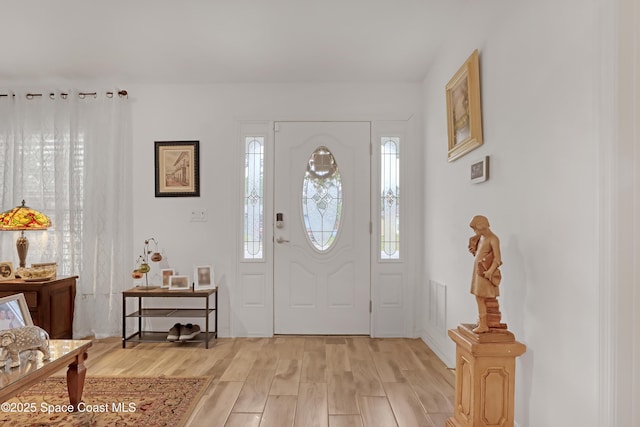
<point>177,167</point>
<point>464,111</point>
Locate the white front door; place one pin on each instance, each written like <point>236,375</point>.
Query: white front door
<point>321,235</point>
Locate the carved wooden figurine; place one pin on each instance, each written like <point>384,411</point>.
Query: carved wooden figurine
<point>485,353</point>
<point>13,341</point>
<point>486,277</point>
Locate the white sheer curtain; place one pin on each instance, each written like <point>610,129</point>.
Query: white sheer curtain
<point>69,157</point>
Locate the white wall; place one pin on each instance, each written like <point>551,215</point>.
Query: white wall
<point>211,114</point>
<point>621,356</point>
<point>539,66</point>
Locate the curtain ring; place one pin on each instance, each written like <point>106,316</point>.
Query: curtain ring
<point>63,95</point>
<point>109,94</point>
<point>29,96</point>
<point>52,95</point>
<point>81,95</point>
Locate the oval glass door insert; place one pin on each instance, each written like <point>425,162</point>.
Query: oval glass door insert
<point>322,199</point>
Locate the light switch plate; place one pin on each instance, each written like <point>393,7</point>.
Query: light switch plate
<point>199,215</point>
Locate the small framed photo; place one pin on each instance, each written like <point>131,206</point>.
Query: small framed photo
<point>464,109</point>
<point>166,274</point>
<point>14,312</point>
<point>179,283</point>
<point>177,168</point>
<point>204,277</point>
<point>480,170</point>
<point>6,271</point>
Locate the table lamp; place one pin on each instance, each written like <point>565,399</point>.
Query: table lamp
<point>23,218</point>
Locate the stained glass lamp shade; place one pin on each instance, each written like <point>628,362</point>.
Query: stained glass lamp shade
<point>23,218</point>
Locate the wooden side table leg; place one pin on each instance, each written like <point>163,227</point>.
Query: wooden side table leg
<point>75,380</point>
<point>124,321</point>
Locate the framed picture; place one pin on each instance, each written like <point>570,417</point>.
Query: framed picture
<point>14,312</point>
<point>166,275</point>
<point>464,111</point>
<point>177,168</point>
<point>203,277</point>
<point>480,170</point>
<point>179,283</point>
<point>6,271</point>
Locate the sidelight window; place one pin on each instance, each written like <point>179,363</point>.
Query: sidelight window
<point>390,198</point>
<point>254,198</point>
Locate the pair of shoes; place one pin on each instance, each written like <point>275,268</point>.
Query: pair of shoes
<point>189,331</point>
<point>180,332</point>
<point>174,332</point>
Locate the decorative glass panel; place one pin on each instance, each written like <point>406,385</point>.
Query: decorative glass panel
<point>390,198</point>
<point>253,197</point>
<point>322,199</point>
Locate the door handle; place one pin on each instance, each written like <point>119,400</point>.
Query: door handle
<point>281,240</point>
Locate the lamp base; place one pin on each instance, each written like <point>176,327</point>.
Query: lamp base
<point>22,244</point>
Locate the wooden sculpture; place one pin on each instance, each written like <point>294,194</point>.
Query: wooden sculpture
<point>486,352</point>
<point>486,277</point>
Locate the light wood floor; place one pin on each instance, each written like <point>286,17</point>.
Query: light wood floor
<point>297,381</point>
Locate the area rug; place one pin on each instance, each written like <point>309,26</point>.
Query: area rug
<point>107,401</point>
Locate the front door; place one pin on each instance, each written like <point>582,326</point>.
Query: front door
<point>321,236</point>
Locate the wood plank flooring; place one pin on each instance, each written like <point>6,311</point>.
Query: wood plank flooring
<point>298,381</point>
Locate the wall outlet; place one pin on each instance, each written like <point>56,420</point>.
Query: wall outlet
<point>199,215</point>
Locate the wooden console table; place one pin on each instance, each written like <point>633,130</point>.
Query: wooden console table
<point>149,336</point>
<point>51,303</point>
<point>71,353</point>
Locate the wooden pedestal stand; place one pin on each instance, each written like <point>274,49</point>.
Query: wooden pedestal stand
<point>485,377</point>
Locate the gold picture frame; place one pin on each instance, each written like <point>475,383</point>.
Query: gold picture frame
<point>464,110</point>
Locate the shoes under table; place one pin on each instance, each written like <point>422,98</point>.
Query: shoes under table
<point>180,332</point>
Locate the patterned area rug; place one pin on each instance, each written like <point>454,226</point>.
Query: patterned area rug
<point>107,401</point>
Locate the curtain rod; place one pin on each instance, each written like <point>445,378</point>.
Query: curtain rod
<point>81,95</point>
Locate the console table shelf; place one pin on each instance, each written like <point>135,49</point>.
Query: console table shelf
<point>152,336</point>
<point>171,312</point>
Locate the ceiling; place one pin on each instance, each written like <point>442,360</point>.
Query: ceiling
<point>213,41</point>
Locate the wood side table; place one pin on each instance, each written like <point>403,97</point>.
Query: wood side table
<point>51,303</point>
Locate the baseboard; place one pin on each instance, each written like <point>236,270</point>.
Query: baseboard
<point>437,347</point>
